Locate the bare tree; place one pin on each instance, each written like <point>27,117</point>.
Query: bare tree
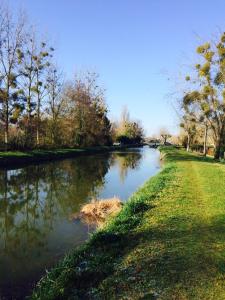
<point>54,86</point>
<point>11,41</point>
<point>41,64</point>
<point>27,83</point>
<point>87,112</point>
<point>188,124</point>
<point>165,135</point>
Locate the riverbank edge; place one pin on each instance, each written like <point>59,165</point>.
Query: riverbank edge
<point>35,156</point>
<point>79,274</point>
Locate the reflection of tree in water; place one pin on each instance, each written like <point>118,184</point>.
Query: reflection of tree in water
<point>127,161</point>
<point>34,198</point>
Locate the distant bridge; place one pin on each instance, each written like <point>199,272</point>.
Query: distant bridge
<point>152,145</point>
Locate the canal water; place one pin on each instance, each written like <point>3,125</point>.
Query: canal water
<point>38,202</point>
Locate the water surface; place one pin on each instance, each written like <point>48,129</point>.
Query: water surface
<point>37,202</point>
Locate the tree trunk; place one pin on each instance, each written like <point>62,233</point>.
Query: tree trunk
<point>38,112</point>
<point>38,124</point>
<point>28,136</point>
<point>205,141</point>
<point>188,143</point>
<point>6,134</point>
<point>217,152</point>
<point>6,139</point>
<point>219,143</point>
<point>38,134</point>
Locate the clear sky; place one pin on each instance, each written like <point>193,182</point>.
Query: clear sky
<point>135,45</point>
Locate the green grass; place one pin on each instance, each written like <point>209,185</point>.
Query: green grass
<point>13,157</point>
<point>36,153</point>
<point>167,243</point>
<point>33,153</point>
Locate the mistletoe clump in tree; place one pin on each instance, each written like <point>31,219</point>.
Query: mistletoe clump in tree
<point>208,95</point>
<point>11,96</point>
<point>41,64</point>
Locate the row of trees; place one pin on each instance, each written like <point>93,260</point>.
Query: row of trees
<point>127,130</point>
<point>203,103</point>
<point>25,69</point>
<point>39,109</point>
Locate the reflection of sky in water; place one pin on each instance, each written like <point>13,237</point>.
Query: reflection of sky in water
<point>123,186</point>
<point>36,203</point>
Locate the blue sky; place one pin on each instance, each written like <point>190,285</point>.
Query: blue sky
<point>135,46</point>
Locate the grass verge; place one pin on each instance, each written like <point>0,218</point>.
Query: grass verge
<point>9,158</point>
<point>168,242</point>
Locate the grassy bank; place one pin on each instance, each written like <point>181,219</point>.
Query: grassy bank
<point>8,158</point>
<point>167,243</point>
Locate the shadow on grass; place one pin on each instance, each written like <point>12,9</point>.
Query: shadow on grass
<point>186,255</point>
<point>82,271</point>
<point>181,155</point>
<point>177,261</point>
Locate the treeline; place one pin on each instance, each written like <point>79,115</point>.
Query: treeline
<point>203,103</point>
<point>37,108</point>
<point>127,130</point>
